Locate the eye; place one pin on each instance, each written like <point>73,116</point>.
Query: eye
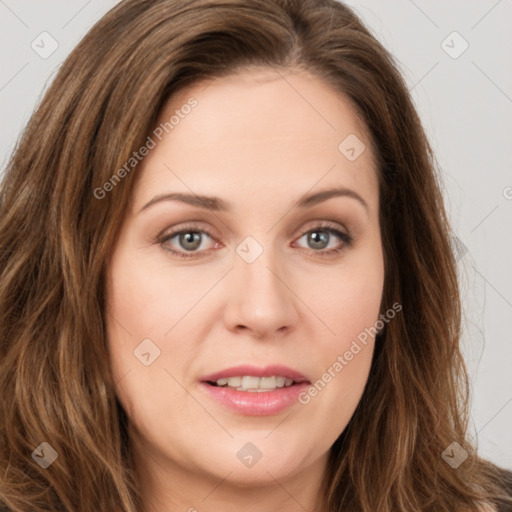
<point>320,237</point>
<point>187,240</point>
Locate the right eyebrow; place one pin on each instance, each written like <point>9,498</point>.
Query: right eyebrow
<point>207,202</point>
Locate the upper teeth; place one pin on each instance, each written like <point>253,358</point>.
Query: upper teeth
<point>250,383</point>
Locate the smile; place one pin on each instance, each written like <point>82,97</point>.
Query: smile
<point>254,384</point>
<point>253,391</point>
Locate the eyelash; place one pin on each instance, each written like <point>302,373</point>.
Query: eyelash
<point>325,227</point>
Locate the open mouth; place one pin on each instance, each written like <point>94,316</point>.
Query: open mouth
<point>254,384</point>
<point>272,390</point>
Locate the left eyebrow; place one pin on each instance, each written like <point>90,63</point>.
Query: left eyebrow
<point>307,201</point>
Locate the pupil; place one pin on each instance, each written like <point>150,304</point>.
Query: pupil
<point>193,238</point>
<point>318,239</point>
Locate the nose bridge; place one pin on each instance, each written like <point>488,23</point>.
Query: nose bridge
<point>262,301</point>
<point>257,267</point>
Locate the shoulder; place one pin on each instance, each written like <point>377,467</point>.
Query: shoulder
<point>505,482</point>
<point>506,485</point>
<point>503,478</point>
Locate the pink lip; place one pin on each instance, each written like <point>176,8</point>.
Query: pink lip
<point>254,403</point>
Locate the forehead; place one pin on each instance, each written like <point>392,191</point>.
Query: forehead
<point>255,129</point>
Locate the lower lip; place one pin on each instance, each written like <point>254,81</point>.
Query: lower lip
<point>254,403</point>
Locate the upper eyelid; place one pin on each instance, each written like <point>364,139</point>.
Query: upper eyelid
<point>176,231</point>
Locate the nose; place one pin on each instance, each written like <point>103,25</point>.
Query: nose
<point>261,299</point>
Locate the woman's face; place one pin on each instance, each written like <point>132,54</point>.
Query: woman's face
<point>257,278</point>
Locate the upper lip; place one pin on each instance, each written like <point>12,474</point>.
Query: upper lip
<point>255,371</point>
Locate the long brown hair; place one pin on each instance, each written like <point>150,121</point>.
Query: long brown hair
<point>56,235</point>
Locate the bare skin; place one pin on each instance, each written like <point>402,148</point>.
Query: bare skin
<point>258,140</point>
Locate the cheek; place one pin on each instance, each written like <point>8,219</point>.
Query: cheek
<point>138,314</point>
<point>343,364</point>
<point>145,297</point>
<point>349,306</point>
<point>134,309</point>
<point>347,300</point>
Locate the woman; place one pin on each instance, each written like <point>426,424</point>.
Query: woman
<point>226,276</point>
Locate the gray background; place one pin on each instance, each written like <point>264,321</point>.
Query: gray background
<point>465,102</point>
